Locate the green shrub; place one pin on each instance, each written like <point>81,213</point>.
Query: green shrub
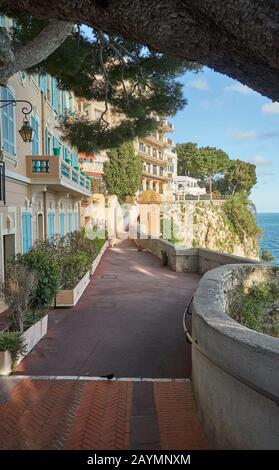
<point>43,263</point>
<point>267,256</point>
<point>73,267</point>
<point>14,343</point>
<point>256,307</point>
<point>241,219</point>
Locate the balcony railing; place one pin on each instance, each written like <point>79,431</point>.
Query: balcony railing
<point>157,160</point>
<point>55,170</point>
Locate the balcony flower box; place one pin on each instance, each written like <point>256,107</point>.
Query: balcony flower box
<point>98,258</point>
<point>70,297</point>
<point>31,337</point>
<point>76,167</point>
<point>56,151</point>
<point>68,160</point>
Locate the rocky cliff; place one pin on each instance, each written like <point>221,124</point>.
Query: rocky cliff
<point>206,224</point>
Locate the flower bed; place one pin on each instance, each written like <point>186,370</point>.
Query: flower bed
<point>30,337</point>
<point>70,297</point>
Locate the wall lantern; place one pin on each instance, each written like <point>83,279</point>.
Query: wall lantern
<point>26,131</point>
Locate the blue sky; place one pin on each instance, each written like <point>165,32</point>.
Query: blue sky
<point>225,114</point>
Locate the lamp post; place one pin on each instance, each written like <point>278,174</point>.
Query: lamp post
<point>26,130</point>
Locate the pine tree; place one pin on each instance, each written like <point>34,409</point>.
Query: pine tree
<point>122,173</point>
<point>136,83</point>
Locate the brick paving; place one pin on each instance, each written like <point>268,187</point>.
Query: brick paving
<point>110,415</point>
<point>128,322</point>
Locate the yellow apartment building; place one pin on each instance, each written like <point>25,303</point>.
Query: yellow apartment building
<point>42,186</point>
<point>153,151</point>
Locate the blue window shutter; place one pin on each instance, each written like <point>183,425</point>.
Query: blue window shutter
<point>63,102</point>
<point>70,222</point>
<point>74,159</point>
<point>62,223</point>
<point>71,104</point>
<point>54,94</point>
<point>43,83</point>
<point>76,220</point>
<point>35,140</point>
<point>8,126</point>
<point>51,230</point>
<point>26,231</point>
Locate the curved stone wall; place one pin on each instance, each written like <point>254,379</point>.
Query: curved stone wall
<point>235,370</point>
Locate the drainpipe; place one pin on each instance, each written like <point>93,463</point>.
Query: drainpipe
<point>43,122</point>
<point>45,213</point>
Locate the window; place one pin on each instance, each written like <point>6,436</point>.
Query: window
<point>98,114</point>
<point>43,83</point>
<point>62,224</point>
<point>26,227</point>
<point>154,153</point>
<point>76,220</point>
<point>63,102</point>
<point>48,88</point>
<point>154,170</point>
<point>160,155</point>
<point>56,143</point>
<point>170,168</point>
<point>2,21</point>
<point>74,159</point>
<point>54,94</point>
<point>35,141</point>
<point>148,150</point>
<point>141,147</point>
<point>71,104</point>
<point>51,221</point>
<point>70,222</point>
<point>8,123</point>
<point>161,171</point>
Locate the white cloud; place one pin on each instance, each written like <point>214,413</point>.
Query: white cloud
<point>239,135</point>
<point>243,135</point>
<point>199,84</point>
<point>259,161</point>
<point>270,108</point>
<point>239,88</point>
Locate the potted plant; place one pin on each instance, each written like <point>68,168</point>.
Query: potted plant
<point>25,328</point>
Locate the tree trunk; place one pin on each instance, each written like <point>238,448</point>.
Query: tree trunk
<point>210,187</point>
<point>235,37</point>
<point>32,53</point>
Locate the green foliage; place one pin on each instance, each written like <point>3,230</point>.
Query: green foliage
<point>73,267</point>
<point>14,343</point>
<point>136,82</point>
<point>256,307</point>
<point>41,261</point>
<point>240,213</point>
<point>122,173</point>
<point>186,154</point>
<point>169,230</point>
<point>239,177</point>
<point>267,256</point>
<point>210,165</point>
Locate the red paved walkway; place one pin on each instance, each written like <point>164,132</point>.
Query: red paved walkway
<point>56,414</point>
<point>128,322</point>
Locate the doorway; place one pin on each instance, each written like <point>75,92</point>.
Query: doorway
<point>9,250</point>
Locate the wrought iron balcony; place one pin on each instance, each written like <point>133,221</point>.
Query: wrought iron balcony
<point>53,170</point>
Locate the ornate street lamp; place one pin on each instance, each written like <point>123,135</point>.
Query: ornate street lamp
<point>26,131</point>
